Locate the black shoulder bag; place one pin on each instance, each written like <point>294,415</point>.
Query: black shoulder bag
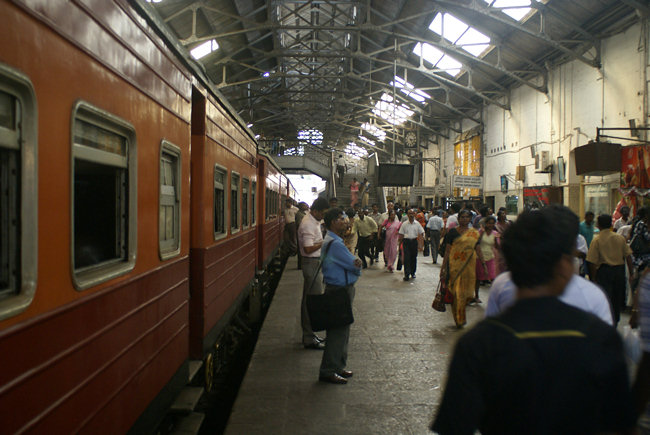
<point>332,309</point>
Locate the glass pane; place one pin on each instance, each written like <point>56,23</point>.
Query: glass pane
<point>161,226</point>
<point>7,111</point>
<point>9,218</point>
<point>169,222</point>
<point>99,138</point>
<point>98,214</point>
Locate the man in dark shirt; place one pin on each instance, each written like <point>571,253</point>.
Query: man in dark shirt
<point>542,366</point>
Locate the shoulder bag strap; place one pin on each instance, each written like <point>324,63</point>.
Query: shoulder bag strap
<point>320,264</point>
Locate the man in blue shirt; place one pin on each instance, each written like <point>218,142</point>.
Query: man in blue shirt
<point>340,269</point>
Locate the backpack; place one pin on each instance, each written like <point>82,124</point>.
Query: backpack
<point>639,246</point>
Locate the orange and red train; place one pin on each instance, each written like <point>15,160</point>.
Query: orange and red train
<point>137,217</point>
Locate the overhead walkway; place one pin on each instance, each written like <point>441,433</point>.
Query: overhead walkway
<point>399,351</point>
<point>313,160</point>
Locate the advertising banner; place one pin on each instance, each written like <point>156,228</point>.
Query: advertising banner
<point>635,167</point>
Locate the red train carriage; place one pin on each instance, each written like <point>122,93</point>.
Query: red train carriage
<point>223,220</point>
<point>269,231</point>
<point>95,155</point>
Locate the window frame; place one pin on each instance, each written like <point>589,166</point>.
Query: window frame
<point>253,203</point>
<point>235,227</point>
<point>224,172</point>
<point>245,201</point>
<point>19,86</point>
<point>164,250</point>
<point>90,276</point>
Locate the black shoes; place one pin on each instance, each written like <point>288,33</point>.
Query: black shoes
<point>406,278</point>
<point>333,379</point>
<point>318,344</point>
<point>345,374</point>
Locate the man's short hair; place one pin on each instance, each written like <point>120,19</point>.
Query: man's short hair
<point>536,242</point>
<point>625,208</point>
<point>604,221</point>
<point>331,215</point>
<point>350,212</point>
<point>320,204</point>
<point>589,213</point>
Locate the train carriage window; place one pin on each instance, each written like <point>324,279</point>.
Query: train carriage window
<point>253,203</point>
<point>244,202</point>
<point>267,205</point>
<point>234,202</point>
<point>104,196</point>
<point>18,192</point>
<point>219,202</point>
<point>170,201</point>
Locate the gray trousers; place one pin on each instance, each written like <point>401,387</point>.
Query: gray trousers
<point>434,240</point>
<point>309,268</point>
<point>335,356</point>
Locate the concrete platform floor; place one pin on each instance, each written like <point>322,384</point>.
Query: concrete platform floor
<point>399,352</point>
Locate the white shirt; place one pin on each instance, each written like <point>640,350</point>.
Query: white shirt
<point>579,293</point>
<point>290,214</point>
<point>581,245</point>
<point>620,222</point>
<point>340,161</point>
<point>411,230</point>
<point>309,234</point>
<point>435,223</point>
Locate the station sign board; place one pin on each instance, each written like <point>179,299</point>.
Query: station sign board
<point>467,182</point>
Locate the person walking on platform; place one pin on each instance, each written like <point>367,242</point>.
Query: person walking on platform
<point>606,258</point>
<point>376,246</point>
<point>391,239</point>
<point>366,228</point>
<point>458,268</point>
<point>310,240</point>
<point>340,269</point>
<point>542,366</point>
<point>411,235</point>
<point>434,226</point>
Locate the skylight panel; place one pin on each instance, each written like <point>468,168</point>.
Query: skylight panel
<point>313,136</point>
<point>517,9</point>
<point>354,150</point>
<point>391,112</point>
<point>204,49</point>
<point>374,130</point>
<point>366,140</point>
<point>437,58</point>
<point>459,33</point>
<point>410,90</point>
<point>474,41</point>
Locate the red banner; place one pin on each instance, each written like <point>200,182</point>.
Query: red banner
<point>635,170</point>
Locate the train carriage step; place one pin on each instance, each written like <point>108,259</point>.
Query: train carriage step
<point>195,367</point>
<point>189,425</point>
<point>187,400</point>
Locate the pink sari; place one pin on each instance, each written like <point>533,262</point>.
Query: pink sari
<point>391,241</point>
<point>354,193</point>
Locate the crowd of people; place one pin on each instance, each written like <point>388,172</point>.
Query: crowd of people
<point>548,354</point>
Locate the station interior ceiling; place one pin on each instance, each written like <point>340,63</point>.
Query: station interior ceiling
<point>382,75</point>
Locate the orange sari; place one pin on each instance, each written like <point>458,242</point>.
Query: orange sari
<point>462,273</point>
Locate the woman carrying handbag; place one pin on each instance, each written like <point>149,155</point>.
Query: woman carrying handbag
<point>459,266</point>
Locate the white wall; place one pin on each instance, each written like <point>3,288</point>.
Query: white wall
<point>580,99</point>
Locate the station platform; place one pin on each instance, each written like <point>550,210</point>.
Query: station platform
<point>399,352</point>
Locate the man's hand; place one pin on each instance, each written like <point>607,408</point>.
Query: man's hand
<point>357,262</point>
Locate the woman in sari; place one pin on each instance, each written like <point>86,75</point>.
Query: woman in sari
<point>354,192</point>
<point>486,254</point>
<point>392,225</point>
<point>459,265</point>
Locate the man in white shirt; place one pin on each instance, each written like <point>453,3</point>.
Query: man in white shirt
<point>310,241</point>
<point>434,226</point>
<point>579,293</point>
<point>411,235</point>
<point>624,219</point>
<point>340,168</point>
<point>289,236</point>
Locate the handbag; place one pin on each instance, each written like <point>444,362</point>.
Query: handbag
<point>331,309</point>
<point>438,303</point>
